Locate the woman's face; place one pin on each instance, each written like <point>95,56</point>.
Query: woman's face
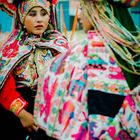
<point>86,24</point>
<point>36,21</point>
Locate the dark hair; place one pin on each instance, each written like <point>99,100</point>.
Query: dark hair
<point>17,2</point>
<point>119,3</point>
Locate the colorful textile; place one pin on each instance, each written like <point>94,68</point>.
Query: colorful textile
<point>17,105</point>
<point>87,74</point>
<point>26,57</point>
<point>10,53</point>
<point>7,99</point>
<point>120,37</point>
<point>7,7</point>
<point>17,48</point>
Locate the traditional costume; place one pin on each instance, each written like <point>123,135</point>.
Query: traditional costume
<point>85,94</point>
<point>24,56</point>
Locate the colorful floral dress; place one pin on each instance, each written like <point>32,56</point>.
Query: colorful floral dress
<point>84,96</point>
<point>22,59</point>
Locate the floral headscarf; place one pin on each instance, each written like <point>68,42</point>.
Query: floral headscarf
<point>25,6</point>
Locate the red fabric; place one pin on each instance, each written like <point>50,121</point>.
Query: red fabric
<point>8,93</point>
<point>54,2</point>
<point>7,7</point>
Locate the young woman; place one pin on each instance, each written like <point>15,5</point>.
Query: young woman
<point>85,92</point>
<point>33,43</point>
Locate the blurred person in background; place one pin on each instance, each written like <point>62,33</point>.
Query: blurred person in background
<point>92,91</point>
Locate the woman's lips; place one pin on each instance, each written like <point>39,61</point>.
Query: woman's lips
<point>39,26</point>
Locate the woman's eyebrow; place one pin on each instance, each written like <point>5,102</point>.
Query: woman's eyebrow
<point>32,11</point>
<point>43,10</point>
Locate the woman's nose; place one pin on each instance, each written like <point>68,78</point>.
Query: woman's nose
<point>39,18</point>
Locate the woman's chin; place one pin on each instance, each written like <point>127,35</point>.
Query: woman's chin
<point>38,32</point>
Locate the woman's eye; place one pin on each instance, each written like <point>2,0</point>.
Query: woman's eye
<point>43,12</point>
<point>32,13</point>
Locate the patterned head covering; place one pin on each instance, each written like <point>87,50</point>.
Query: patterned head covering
<point>25,6</point>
